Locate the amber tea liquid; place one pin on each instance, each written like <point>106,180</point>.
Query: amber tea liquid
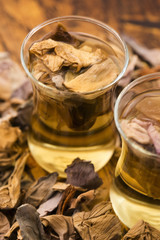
<point>66,126</point>
<point>135,193</point>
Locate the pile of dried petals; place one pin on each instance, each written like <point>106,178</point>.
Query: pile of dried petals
<point>36,205</point>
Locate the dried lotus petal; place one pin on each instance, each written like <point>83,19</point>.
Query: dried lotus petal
<point>78,57</point>
<point>96,77</point>
<point>41,47</point>
<point>53,62</point>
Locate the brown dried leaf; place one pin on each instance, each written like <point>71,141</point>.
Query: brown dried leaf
<point>23,117</point>
<point>97,224</point>
<point>7,159</point>
<point>62,35</point>
<point>11,76</point>
<point>142,231</point>
<point>11,233</point>
<point>151,109</point>
<point>29,223</point>
<point>58,81</point>
<point>52,61</point>
<point>50,205</point>
<point>4,175</point>
<point>135,131</point>
<point>144,71</point>
<point>67,196</point>
<point>77,57</point>
<point>9,135</point>
<point>96,77</point>
<point>60,186</point>
<point>154,133</point>
<point>24,91</point>
<point>4,225</point>
<point>38,69</point>
<point>150,55</point>
<point>60,224</point>
<point>127,77</point>
<point>10,193</point>
<point>4,106</point>
<point>41,190</point>
<point>83,198</point>
<point>65,54</point>
<point>81,173</point>
<point>9,113</point>
<point>41,47</point>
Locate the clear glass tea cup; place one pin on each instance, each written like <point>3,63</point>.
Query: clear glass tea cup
<point>68,124</point>
<point>135,192</point>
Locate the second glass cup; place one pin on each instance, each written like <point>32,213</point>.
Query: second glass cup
<point>135,193</point>
<point>73,114</point>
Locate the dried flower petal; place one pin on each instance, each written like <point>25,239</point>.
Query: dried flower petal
<point>154,133</point>
<point>83,198</point>
<point>62,35</point>
<point>9,194</point>
<point>38,69</point>
<point>12,232</point>
<point>151,109</point>
<point>53,62</point>
<point>23,117</point>
<point>78,57</point>
<point>60,224</point>
<point>96,77</point>
<point>29,223</point>
<point>11,76</point>
<point>135,131</point>
<point>81,173</point>
<point>7,159</point>
<point>9,135</point>
<point>99,223</point>
<point>68,194</point>
<point>4,225</point>
<point>126,79</point>
<point>142,231</point>
<point>49,205</point>
<point>24,91</point>
<point>41,47</point>
<point>41,190</point>
<point>150,55</point>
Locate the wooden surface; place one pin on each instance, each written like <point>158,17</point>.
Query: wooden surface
<point>137,18</point>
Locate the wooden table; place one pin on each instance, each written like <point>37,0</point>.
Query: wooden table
<point>138,18</point>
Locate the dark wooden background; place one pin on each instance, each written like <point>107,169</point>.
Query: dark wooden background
<point>137,18</point>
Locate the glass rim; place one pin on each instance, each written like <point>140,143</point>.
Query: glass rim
<point>78,18</point>
<point>116,107</point>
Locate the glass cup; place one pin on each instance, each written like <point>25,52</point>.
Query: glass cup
<point>135,192</point>
<point>67,124</point>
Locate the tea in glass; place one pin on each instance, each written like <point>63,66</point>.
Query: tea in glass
<point>135,193</point>
<point>73,73</point>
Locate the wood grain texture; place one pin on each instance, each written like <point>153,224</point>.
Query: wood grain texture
<point>139,19</point>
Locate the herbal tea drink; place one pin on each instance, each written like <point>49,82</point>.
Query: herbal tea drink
<point>135,193</point>
<point>73,73</point>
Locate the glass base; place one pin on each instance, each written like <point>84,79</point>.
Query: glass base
<point>130,210</point>
<point>56,158</point>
